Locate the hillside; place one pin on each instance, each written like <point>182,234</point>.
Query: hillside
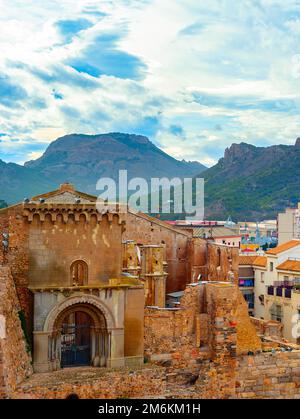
<point>83,159</point>
<point>17,182</point>
<point>253,182</point>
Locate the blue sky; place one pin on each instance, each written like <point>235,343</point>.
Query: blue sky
<point>193,75</point>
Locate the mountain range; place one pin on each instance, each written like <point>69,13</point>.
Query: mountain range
<point>253,183</point>
<point>248,183</point>
<point>83,159</point>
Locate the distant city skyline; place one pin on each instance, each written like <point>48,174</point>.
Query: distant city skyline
<point>193,76</point>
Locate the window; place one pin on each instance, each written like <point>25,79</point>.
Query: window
<point>79,273</point>
<point>262,277</point>
<point>271,266</point>
<point>276,313</point>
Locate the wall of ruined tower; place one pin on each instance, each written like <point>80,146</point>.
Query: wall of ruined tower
<point>212,262</point>
<point>221,260</point>
<point>145,230</point>
<point>15,360</point>
<point>169,331</point>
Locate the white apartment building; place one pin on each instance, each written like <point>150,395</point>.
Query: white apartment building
<point>289,225</point>
<point>277,288</point>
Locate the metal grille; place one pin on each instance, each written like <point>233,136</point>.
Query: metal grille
<point>75,345</point>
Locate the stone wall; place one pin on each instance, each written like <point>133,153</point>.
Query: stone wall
<point>171,330</point>
<point>212,262</point>
<point>87,383</point>
<point>268,375</point>
<point>268,328</point>
<point>17,257</point>
<point>15,360</point>
<point>222,263</point>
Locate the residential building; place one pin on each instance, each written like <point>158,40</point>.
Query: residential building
<point>251,278</point>
<point>276,287</point>
<point>289,225</point>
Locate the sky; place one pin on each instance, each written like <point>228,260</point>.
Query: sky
<point>194,76</point>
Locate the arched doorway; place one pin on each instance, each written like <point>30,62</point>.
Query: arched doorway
<point>80,337</point>
<point>76,339</point>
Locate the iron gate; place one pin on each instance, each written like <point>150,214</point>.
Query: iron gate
<point>75,345</point>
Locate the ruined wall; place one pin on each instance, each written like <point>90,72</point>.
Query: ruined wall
<point>17,257</point>
<point>198,249</point>
<point>146,230</point>
<point>268,375</point>
<point>212,261</point>
<point>221,261</point>
<point>148,382</point>
<point>268,328</point>
<point>247,337</point>
<point>173,330</point>
<point>15,361</point>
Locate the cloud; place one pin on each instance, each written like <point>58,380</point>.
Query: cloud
<point>193,76</point>
<point>10,93</point>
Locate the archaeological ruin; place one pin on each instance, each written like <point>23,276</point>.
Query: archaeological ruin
<point>112,303</point>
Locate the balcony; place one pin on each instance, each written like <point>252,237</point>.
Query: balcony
<point>285,292</point>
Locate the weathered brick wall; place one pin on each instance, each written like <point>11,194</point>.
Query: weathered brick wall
<point>15,361</point>
<point>213,262</point>
<point>169,331</point>
<point>268,375</point>
<point>87,383</point>
<point>17,257</point>
<point>221,261</point>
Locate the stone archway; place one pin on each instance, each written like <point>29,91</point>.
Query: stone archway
<point>80,337</point>
<point>98,345</point>
<point>89,300</point>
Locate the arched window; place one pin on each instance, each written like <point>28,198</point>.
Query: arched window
<point>79,273</point>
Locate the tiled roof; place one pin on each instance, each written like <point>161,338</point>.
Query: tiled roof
<point>260,261</point>
<point>246,260</point>
<point>283,247</point>
<point>289,265</point>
